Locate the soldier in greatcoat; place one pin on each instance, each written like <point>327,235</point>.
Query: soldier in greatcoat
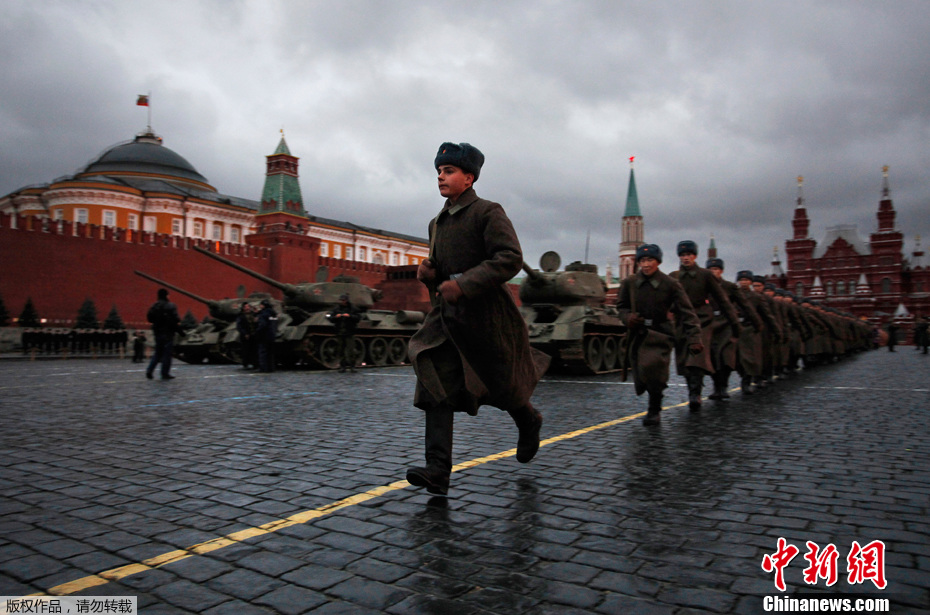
<point>708,301</point>
<point>473,348</point>
<point>644,303</point>
<point>725,338</point>
<point>750,348</point>
<point>771,335</point>
<point>780,349</point>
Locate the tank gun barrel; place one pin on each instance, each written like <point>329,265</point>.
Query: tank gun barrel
<point>534,275</point>
<point>186,293</point>
<point>287,289</point>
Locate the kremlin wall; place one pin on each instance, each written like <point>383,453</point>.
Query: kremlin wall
<point>58,264</point>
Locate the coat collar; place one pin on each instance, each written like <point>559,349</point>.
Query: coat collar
<point>465,199</point>
<point>653,281</point>
<point>688,273</point>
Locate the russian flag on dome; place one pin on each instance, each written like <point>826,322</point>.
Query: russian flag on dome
<point>142,101</point>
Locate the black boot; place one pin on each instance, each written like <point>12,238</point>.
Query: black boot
<point>529,421</point>
<point>435,476</point>
<point>654,414</point>
<point>721,381</point>
<point>695,384</point>
<point>746,385</point>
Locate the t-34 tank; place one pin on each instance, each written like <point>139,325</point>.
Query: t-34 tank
<point>306,337</point>
<point>206,342</point>
<point>568,316</point>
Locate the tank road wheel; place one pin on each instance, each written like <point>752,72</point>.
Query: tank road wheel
<point>593,353</point>
<point>610,352</point>
<point>397,351</point>
<point>359,352</point>
<point>329,353</point>
<point>378,351</point>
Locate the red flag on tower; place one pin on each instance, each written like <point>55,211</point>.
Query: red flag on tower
<point>142,101</point>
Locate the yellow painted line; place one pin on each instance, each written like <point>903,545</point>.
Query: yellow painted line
<point>116,574</point>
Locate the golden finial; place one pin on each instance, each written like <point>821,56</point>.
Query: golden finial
<point>885,170</point>
<point>800,180</point>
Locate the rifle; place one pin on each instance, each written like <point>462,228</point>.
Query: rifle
<point>626,350</point>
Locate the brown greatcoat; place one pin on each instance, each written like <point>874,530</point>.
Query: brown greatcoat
<point>708,300</point>
<point>650,347</point>
<point>477,351</point>
<point>723,349</point>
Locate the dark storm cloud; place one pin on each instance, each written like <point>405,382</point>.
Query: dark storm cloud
<point>722,103</point>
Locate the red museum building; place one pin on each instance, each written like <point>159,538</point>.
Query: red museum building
<point>871,279</point>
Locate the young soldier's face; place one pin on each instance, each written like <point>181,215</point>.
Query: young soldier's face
<point>648,265</point>
<point>758,286</point>
<point>718,272</point>
<point>687,259</point>
<point>453,181</point>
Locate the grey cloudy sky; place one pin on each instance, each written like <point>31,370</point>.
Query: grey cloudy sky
<point>722,103</point>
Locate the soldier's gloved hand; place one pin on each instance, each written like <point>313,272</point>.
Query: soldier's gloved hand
<point>696,348</point>
<point>635,320</point>
<point>450,291</point>
<point>426,272</point>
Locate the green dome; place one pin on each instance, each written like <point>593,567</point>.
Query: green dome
<point>145,155</point>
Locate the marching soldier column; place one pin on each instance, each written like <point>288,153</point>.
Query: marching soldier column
<point>716,327</point>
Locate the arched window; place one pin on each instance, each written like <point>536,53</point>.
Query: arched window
<point>799,289</point>
<point>830,288</point>
<point>841,288</point>
<point>886,285</point>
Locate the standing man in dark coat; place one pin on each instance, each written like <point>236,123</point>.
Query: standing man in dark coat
<point>266,330</point>
<point>245,325</point>
<point>473,348</point>
<point>892,329</point>
<point>922,334</point>
<point>345,317</point>
<point>165,323</point>
<point>708,301</point>
<point>644,302</point>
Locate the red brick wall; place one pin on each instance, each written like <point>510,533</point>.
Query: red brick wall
<point>61,264</point>
<point>59,270</point>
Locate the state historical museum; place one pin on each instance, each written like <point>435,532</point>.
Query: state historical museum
<point>873,279</point>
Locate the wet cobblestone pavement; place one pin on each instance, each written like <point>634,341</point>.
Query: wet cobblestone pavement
<point>225,491</point>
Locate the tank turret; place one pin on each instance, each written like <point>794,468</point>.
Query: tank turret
<point>568,316</point>
<point>579,284</point>
<point>310,297</point>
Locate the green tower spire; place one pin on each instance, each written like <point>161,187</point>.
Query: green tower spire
<point>282,190</point>
<point>632,199</point>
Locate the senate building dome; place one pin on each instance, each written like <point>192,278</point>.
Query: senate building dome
<point>146,156</point>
